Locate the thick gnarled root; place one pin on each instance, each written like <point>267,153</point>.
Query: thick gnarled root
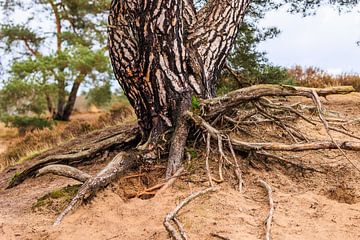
<point>213,119</point>
<point>116,168</point>
<point>116,138</point>
<point>65,171</point>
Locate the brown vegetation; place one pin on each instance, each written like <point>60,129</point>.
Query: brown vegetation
<point>32,144</point>
<point>315,77</point>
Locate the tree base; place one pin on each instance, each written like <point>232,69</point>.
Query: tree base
<point>251,108</point>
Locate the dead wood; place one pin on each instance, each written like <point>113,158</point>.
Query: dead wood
<point>65,171</point>
<point>160,188</point>
<point>207,119</point>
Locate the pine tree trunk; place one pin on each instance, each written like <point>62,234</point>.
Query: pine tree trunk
<point>65,108</point>
<point>69,107</point>
<point>61,101</point>
<point>165,52</point>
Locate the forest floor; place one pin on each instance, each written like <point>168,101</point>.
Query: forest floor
<point>308,205</point>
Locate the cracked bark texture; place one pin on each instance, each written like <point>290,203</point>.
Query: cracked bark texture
<point>164,52</point>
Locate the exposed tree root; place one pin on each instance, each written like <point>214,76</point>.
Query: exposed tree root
<point>171,216</point>
<point>160,188</point>
<point>65,171</point>
<point>274,146</point>
<point>237,167</point>
<point>208,119</point>
<point>319,108</point>
<point>178,144</point>
<point>117,167</point>
<point>121,139</point>
<point>268,219</point>
<point>215,106</point>
<point>170,182</point>
<point>318,145</point>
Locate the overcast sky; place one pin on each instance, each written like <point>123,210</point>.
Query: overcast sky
<point>327,40</point>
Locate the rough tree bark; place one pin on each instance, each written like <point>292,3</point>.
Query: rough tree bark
<point>165,52</point>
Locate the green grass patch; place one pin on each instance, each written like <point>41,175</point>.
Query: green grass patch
<point>57,199</point>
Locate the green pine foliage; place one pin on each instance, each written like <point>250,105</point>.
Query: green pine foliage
<point>47,64</point>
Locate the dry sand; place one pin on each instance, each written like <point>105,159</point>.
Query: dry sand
<point>308,205</point>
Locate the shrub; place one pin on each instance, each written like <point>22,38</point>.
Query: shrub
<point>25,123</point>
<point>315,77</point>
<point>37,141</point>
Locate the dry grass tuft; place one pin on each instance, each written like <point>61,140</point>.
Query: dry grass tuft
<point>6,133</point>
<point>315,77</point>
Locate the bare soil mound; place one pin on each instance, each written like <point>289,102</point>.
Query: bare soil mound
<point>321,204</point>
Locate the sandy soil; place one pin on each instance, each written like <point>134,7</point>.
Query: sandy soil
<point>308,205</point>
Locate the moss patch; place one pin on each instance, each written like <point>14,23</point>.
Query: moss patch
<point>56,200</point>
<point>13,179</point>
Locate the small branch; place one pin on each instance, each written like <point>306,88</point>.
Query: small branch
<point>65,171</point>
<point>268,219</point>
<point>172,215</point>
<point>268,103</point>
<point>240,79</point>
<point>283,161</point>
